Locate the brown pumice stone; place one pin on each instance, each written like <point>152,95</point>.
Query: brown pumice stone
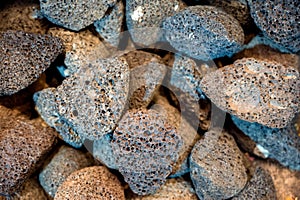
<point>254,90</point>
<point>24,57</point>
<point>23,145</point>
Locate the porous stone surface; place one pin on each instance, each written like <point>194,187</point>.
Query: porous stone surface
<point>64,162</point>
<point>217,169</point>
<point>74,15</point>
<point>185,84</point>
<point>237,8</point>
<point>260,187</point>
<point>110,26</point>
<point>147,72</point>
<point>145,146</point>
<point>23,144</point>
<point>24,56</point>
<point>187,132</point>
<point>22,16</point>
<point>91,183</point>
<point>93,99</point>
<point>144,18</point>
<point>80,48</point>
<point>278,20</point>
<point>173,189</point>
<point>204,32</point>
<point>281,144</point>
<point>256,91</point>
<point>28,191</point>
<point>264,52</point>
<point>102,151</point>
<point>47,106</point>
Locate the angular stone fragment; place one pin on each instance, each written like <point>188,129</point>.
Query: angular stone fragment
<point>47,106</point>
<point>22,16</point>
<point>279,21</point>
<point>185,84</point>
<point>23,144</point>
<point>256,91</point>
<point>144,18</point>
<point>237,8</point>
<point>217,169</point>
<point>147,72</point>
<point>281,144</point>
<point>93,99</point>
<point>91,183</point>
<point>80,48</point>
<point>74,15</point>
<point>187,132</point>
<point>174,189</point>
<point>204,32</point>
<point>65,161</point>
<point>145,148</point>
<point>24,56</point>
<point>260,187</point>
<point>110,26</point>
<point>102,151</point>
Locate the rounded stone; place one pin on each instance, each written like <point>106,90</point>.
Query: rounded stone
<point>204,32</point>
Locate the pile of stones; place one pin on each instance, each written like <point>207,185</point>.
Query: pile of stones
<point>149,99</point>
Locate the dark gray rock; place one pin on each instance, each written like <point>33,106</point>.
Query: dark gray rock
<point>74,15</point>
<point>217,169</point>
<point>110,26</point>
<point>281,144</point>
<point>145,146</point>
<point>144,18</point>
<point>268,16</point>
<point>260,187</point>
<point>204,32</point>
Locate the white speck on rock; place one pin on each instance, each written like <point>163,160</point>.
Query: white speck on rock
<point>137,14</point>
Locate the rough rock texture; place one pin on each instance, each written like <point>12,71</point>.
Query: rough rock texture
<point>30,190</point>
<point>185,84</point>
<point>260,187</point>
<point>91,183</point>
<point>204,32</point>
<point>22,15</point>
<point>144,18</point>
<point>187,132</point>
<point>173,189</point>
<point>23,144</point>
<point>217,169</point>
<point>286,181</point>
<point>80,48</point>
<point>278,21</point>
<point>145,148</point>
<point>110,26</point>
<point>147,72</point>
<point>256,91</point>
<point>264,52</point>
<point>102,151</point>
<point>93,99</point>
<point>280,144</point>
<point>74,15</point>
<point>46,105</point>
<point>64,162</point>
<point>24,56</point>
<point>237,8</point>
